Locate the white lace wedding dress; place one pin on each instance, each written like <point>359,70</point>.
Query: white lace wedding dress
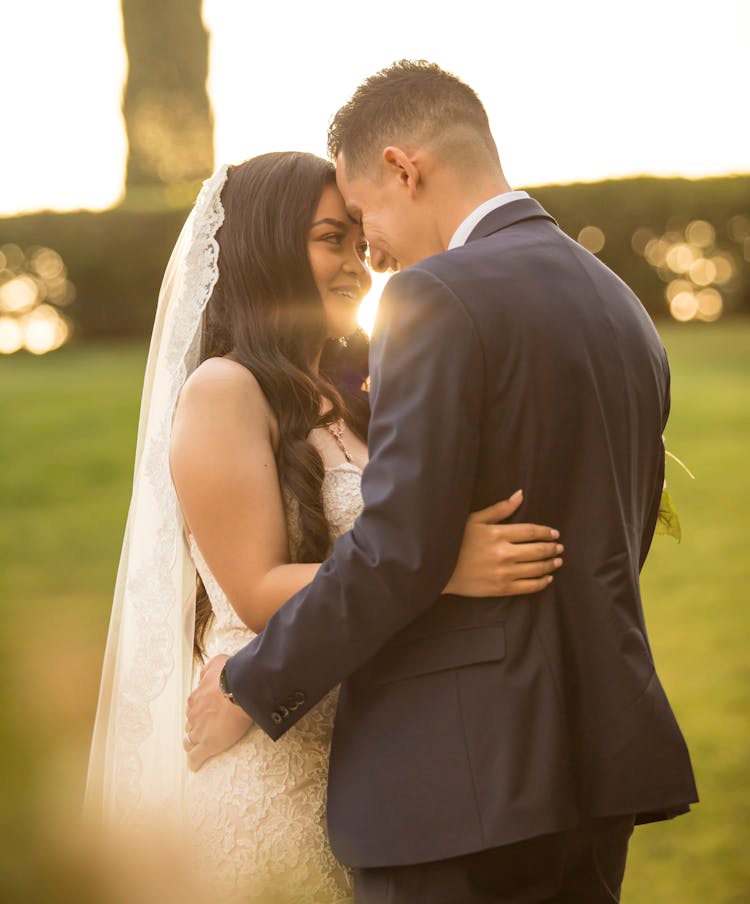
<point>258,810</point>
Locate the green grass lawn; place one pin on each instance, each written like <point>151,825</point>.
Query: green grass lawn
<point>67,438</point>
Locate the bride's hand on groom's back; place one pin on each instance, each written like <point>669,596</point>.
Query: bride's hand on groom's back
<point>504,559</point>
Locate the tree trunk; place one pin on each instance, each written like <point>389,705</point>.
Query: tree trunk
<point>166,107</point>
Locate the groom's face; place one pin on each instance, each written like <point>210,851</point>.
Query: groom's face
<point>375,202</point>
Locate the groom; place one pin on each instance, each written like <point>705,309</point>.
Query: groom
<point>484,750</point>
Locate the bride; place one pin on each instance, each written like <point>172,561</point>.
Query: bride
<point>250,451</point>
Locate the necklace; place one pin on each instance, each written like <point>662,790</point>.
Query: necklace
<point>336,429</point>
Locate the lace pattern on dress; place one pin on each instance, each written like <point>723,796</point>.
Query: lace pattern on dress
<point>258,810</point>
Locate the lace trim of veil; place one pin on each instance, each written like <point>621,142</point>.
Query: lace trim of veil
<point>137,766</point>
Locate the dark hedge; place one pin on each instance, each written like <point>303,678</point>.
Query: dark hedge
<point>620,207</point>
<point>116,258</point>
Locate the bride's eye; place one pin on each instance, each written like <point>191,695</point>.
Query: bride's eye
<point>335,238</point>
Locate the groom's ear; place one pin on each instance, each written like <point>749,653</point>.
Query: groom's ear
<point>403,165</point>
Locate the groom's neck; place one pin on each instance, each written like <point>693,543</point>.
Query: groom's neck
<point>462,196</point>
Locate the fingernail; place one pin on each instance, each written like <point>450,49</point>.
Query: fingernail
<point>550,579</point>
<point>517,495</point>
<point>559,547</point>
<point>555,533</point>
<point>558,563</point>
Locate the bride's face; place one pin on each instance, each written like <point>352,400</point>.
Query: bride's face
<point>337,249</point>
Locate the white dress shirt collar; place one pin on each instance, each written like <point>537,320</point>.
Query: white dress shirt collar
<point>467,227</point>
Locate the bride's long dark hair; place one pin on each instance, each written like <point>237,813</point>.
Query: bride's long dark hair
<point>267,311</point>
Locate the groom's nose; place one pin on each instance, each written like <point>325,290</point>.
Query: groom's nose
<point>380,260</point>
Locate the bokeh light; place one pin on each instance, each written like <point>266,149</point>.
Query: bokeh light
<point>700,233</point>
<point>738,228</point>
<point>48,264</point>
<point>706,267</point>
<point>33,283</point>
<point>680,257</point>
<point>710,304</point>
<point>677,286</point>
<point>684,306</point>
<point>724,265</point>
<point>655,252</point>
<point>592,238</point>
<point>18,295</point>
<point>702,272</point>
<point>11,336</point>
<point>44,330</point>
<point>640,239</point>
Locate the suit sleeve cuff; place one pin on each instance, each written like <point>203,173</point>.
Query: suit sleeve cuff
<point>274,718</point>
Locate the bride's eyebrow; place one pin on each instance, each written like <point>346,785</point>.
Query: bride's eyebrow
<point>329,221</point>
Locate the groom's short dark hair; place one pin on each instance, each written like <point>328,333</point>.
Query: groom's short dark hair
<point>411,100</point>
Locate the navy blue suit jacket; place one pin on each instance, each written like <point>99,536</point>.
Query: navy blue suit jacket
<point>516,361</point>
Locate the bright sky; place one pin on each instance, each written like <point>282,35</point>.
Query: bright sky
<point>580,90</point>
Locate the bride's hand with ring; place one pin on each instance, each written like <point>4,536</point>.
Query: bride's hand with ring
<point>214,723</point>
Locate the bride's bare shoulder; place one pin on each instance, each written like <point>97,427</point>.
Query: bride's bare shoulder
<point>221,378</point>
<point>215,371</point>
<point>221,386</point>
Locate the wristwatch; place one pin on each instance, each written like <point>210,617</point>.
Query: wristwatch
<point>224,686</point>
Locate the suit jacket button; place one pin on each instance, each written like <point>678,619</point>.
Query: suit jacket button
<point>284,712</point>
<point>299,697</point>
<point>276,718</point>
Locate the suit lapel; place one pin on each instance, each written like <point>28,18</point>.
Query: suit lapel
<point>508,215</point>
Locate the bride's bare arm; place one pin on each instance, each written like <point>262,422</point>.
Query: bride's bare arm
<point>224,470</point>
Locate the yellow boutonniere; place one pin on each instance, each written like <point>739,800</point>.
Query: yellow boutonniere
<point>668,521</point>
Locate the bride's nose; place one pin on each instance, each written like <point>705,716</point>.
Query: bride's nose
<point>355,266</point>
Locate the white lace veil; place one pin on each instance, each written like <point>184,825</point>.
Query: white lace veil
<point>137,768</point>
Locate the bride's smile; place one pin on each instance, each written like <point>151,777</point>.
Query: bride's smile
<point>337,250</point>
